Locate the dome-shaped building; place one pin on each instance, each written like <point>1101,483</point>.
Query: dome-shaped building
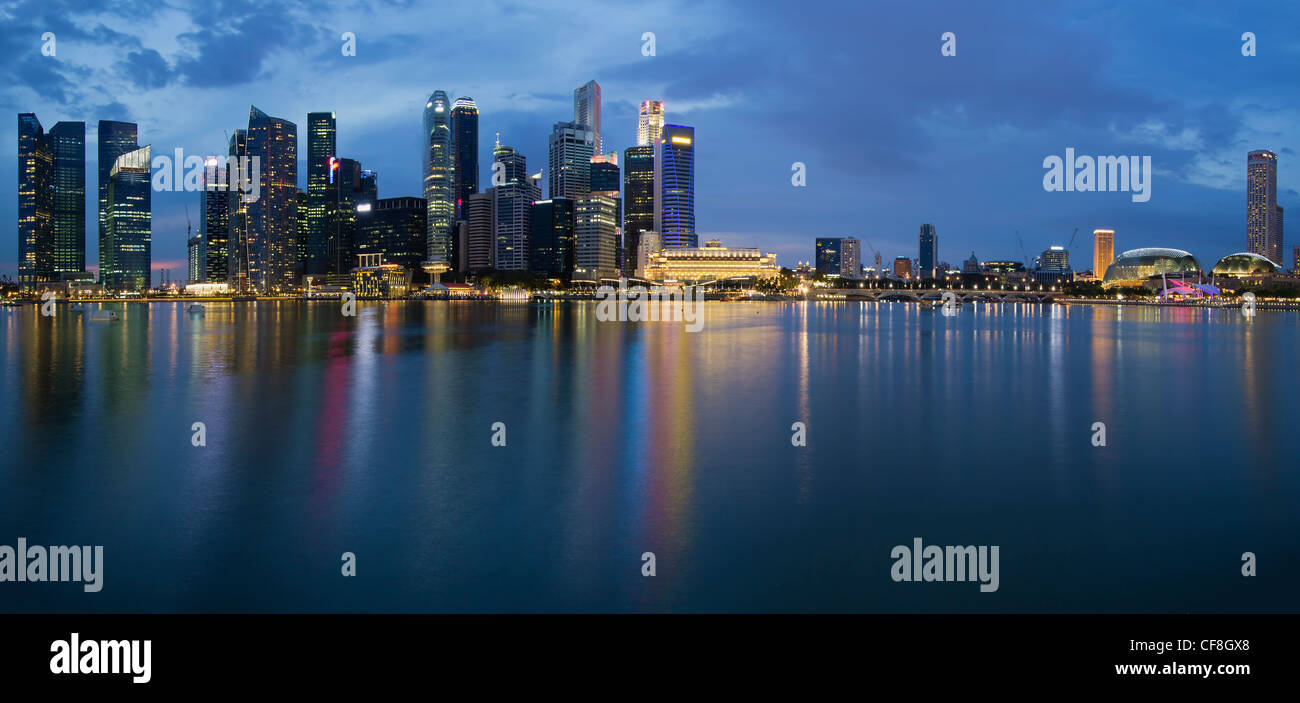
<point>1245,264</point>
<point>1135,266</point>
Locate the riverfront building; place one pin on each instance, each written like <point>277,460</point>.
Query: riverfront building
<point>710,263</point>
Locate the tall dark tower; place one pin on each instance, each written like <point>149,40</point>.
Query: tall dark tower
<point>113,139</point>
<point>638,200</point>
<point>464,148</point>
<point>322,149</point>
<point>273,216</point>
<point>68,149</point>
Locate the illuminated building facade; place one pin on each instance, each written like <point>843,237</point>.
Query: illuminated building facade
<point>438,177</point>
<point>480,217</point>
<point>571,147</point>
<point>586,111</point>
<point>928,243</point>
<point>112,140</point>
<point>638,199</point>
<point>322,150</point>
<point>902,267</point>
<point>1135,266</point>
<point>650,123</point>
<point>273,217</point>
<point>128,223</point>
<point>711,262</point>
<point>394,228</point>
<point>214,229</point>
<point>1263,216</point>
<point>551,244</point>
<point>1103,251</point>
<point>512,203</point>
<point>675,221</point>
<point>595,233</point>
<point>464,150</point>
<point>377,280</point>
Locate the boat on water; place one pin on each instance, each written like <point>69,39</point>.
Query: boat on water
<point>104,316</point>
<point>77,307</point>
<point>195,308</point>
<point>244,298</point>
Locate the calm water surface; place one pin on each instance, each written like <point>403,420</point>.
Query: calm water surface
<point>372,435</point>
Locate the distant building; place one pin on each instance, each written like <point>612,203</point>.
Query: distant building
<point>711,262</point>
<point>394,228</point>
<point>551,245</point>
<point>1103,251</point>
<point>971,265</point>
<point>464,152</point>
<point>586,110</point>
<point>606,181</point>
<point>438,176</point>
<point>675,219</point>
<point>194,248</point>
<point>322,154</point>
<point>902,267</point>
<point>128,224</point>
<point>571,147</point>
<point>214,227</point>
<point>929,251</point>
<point>647,252</point>
<point>113,139</point>
<point>595,232</point>
<point>1263,226</point>
<point>838,256</point>
<point>650,123</point>
<point>1054,260</point>
<point>480,214</point>
<point>638,199</point>
<point>51,201</point>
<point>513,199</point>
<point>374,279</point>
<point>272,243</point>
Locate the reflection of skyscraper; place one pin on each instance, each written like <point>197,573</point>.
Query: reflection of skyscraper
<point>675,219</point>
<point>464,148</point>
<point>438,175</point>
<point>273,216</point>
<point>113,139</point>
<point>638,200</point>
<point>1263,225</point>
<point>586,111</point>
<point>128,223</point>
<point>322,148</point>
<point>929,251</point>
<point>571,147</point>
<point>1103,251</point>
<point>650,122</point>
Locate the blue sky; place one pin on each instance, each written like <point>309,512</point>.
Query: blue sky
<point>893,134</point>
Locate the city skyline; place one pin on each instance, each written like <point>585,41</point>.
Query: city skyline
<point>746,197</point>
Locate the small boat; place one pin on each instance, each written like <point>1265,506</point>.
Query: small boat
<point>9,303</point>
<point>246,298</point>
<point>195,308</point>
<point>104,316</point>
<point>77,307</point>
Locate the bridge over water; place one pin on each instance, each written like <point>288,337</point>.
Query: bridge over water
<point>936,295</point>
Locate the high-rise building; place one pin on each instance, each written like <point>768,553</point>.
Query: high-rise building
<point>194,250</point>
<point>128,224</point>
<point>595,233</point>
<point>395,228</point>
<point>273,215</point>
<point>113,139</point>
<point>464,149</point>
<point>647,250</point>
<point>512,202</point>
<point>675,218</point>
<point>481,216</point>
<point>35,204</point>
<point>1103,251</point>
<point>349,187</point>
<point>650,122</point>
<point>638,201</point>
<point>1295,259</point>
<point>300,269</point>
<point>438,176</point>
<point>237,214</point>
<point>1263,226</point>
<point>606,181</point>
<point>571,148</point>
<point>68,214</point>
<point>586,111</point>
<point>1054,260</point>
<point>838,256</point>
<point>551,244</point>
<point>322,150</point>
<point>902,267</point>
<point>214,227</point>
<point>929,251</point>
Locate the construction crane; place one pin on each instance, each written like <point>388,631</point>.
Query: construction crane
<point>1022,248</point>
<point>1071,244</point>
<point>878,262</point>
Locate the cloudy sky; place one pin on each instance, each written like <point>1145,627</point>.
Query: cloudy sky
<point>893,134</point>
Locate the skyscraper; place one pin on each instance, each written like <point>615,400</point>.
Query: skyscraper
<point>606,181</point>
<point>273,216</point>
<point>464,149</point>
<point>571,146</point>
<point>638,201</point>
<point>1103,251</point>
<point>68,214</point>
<point>586,111</point>
<point>214,229</point>
<point>35,204</point>
<point>128,224</point>
<point>595,236</point>
<point>838,256</point>
<point>675,218</point>
<point>550,246</point>
<point>438,175</point>
<point>349,187</point>
<point>395,228</point>
<point>481,214</point>
<point>513,199</point>
<point>650,122</point>
<point>1263,226</point>
<point>322,149</point>
<point>237,213</point>
<point>113,139</point>
<point>929,245</point>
